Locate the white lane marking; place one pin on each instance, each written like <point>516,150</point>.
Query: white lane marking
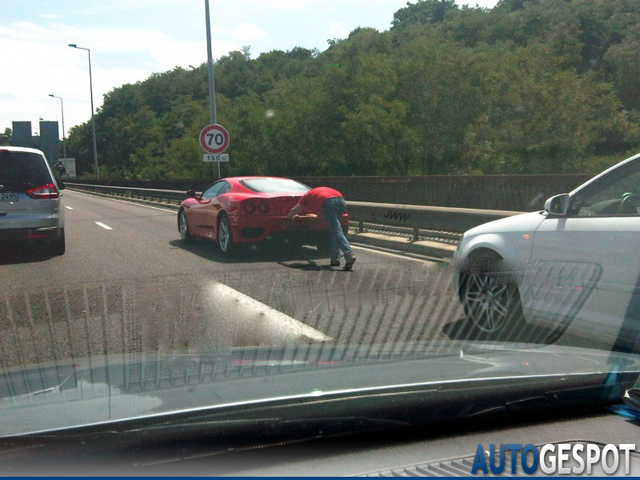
<point>403,256</point>
<point>106,227</point>
<point>68,208</point>
<point>127,202</point>
<point>239,320</point>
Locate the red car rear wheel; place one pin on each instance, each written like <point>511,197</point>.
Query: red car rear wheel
<point>183,227</point>
<point>225,235</point>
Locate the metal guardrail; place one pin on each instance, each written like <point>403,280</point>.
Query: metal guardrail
<point>444,219</point>
<point>439,221</point>
<point>172,197</point>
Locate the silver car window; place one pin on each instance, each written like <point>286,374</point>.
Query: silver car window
<point>618,193</point>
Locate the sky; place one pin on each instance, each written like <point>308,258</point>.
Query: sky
<point>131,39</point>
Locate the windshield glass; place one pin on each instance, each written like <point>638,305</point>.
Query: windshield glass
<point>274,185</point>
<point>23,168</point>
<point>337,211</point>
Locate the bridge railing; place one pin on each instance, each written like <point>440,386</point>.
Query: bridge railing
<point>171,197</point>
<point>416,217</point>
<point>416,220</point>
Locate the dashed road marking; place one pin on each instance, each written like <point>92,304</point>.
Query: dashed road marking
<point>106,227</point>
<point>68,208</point>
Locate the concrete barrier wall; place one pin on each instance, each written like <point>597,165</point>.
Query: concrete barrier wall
<point>495,192</point>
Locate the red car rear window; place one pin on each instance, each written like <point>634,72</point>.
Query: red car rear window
<point>274,185</point>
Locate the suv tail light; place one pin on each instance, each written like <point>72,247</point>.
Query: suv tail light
<point>47,191</point>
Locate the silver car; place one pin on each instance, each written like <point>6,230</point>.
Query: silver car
<point>575,262</point>
<point>30,207</point>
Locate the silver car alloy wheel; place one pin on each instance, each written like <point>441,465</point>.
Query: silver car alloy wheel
<point>487,299</point>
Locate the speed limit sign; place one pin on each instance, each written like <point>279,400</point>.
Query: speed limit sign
<point>214,138</point>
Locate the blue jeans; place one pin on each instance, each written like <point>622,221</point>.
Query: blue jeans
<point>332,210</point>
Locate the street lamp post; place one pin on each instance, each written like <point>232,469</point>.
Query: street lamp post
<point>64,147</point>
<point>93,120</point>
<point>212,88</point>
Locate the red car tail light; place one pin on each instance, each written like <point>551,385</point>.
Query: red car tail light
<point>263,207</point>
<point>249,208</point>
<point>47,191</point>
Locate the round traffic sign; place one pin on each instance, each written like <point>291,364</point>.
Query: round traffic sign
<point>214,138</point>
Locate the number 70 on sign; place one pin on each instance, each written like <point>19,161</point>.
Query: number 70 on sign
<point>214,139</point>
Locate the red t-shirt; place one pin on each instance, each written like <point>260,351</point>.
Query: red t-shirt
<point>312,200</point>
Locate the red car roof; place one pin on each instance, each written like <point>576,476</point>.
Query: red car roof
<point>237,179</point>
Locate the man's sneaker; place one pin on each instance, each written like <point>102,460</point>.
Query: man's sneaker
<point>351,259</point>
<point>335,263</point>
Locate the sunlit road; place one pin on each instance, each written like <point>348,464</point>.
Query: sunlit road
<point>111,240</point>
<point>128,283</point>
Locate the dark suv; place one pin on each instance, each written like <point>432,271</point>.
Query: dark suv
<point>30,207</point>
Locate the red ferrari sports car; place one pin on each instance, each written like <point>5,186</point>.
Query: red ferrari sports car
<point>243,210</point>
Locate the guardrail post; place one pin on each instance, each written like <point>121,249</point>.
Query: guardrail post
<point>360,226</point>
<point>416,234</point>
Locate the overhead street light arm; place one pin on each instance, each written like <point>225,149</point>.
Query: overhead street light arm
<point>73,45</point>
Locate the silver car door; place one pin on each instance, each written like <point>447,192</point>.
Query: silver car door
<point>586,268</point>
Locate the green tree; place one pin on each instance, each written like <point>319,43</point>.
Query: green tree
<point>528,86</point>
<point>444,87</point>
<point>424,12</point>
<point>541,119</point>
<point>5,137</point>
<point>624,59</point>
<point>235,74</point>
<point>80,147</point>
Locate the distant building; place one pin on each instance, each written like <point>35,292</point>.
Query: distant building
<point>22,135</point>
<point>48,140</point>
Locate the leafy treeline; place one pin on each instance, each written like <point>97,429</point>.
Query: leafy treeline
<point>530,86</point>
<point>5,138</point>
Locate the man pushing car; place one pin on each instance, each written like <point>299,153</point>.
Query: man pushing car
<point>330,204</point>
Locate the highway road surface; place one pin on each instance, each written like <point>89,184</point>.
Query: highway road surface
<point>128,285</point>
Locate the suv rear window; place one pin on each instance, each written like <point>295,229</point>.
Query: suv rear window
<point>23,168</point>
<point>274,185</point>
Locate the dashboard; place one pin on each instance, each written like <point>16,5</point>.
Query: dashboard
<point>436,449</point>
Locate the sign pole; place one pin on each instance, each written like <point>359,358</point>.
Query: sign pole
<point>212,89</point>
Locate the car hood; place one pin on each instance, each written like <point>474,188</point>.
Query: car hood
<point>108,392</point>
<point>527,222</point>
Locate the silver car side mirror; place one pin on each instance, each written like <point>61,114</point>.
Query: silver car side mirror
<point>558,204</point>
